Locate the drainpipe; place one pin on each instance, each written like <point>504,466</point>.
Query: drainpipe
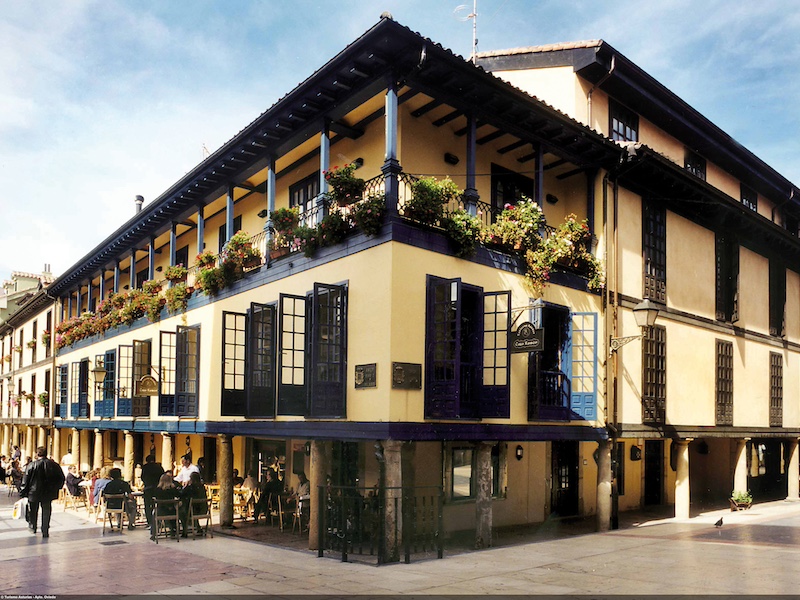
<point>597,85</point>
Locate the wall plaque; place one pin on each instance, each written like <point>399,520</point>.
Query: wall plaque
<point>406,376</point>
<point>146,386</point>
<point>366,376</point>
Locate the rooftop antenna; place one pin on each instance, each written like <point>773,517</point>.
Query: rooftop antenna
<point>474,16</point>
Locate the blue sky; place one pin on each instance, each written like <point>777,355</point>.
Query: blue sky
<point>101,100</point>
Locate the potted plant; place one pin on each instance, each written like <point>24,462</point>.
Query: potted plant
<point>345,187</point>
<point>333,229</point>
<point>463,229</point>
<point>304,239</point>
<point>284,220</point>
<point>18,349</point>
<point>741,500</point>
<point>368,215</point>
<point>46,337</point>
<point>151,287</point>
<point>175,273</point>
<point>428,197</point>
<point>31,344</point>
<point>516,228</point>
<point>7,358</point>
<point>210,280</point>
<point>44,398</point>
<point>206,259</point>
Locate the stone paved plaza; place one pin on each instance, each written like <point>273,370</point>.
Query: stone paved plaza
<point>755,552</point>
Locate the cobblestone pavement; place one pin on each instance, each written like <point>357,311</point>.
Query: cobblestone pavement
<point>755,552</point>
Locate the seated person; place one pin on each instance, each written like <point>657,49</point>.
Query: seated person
<point>165,490</point>
<point>73,480</point>
<point>237,481</point>
<point>251,483</point>
<point>270,490</point>
<point>101,482</point>
<point>117,485</point>
<point>194,490</point>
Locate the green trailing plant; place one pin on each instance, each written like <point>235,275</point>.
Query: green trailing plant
<point>304,239</point>
<point>428,197</point>
<point>463,229</point>
<point>46,336</point>
<point>516,229</point>
<point>568,246</point>
<point>210,280</point>
<point>44,398</point>
<point>333,229</point>
<point>177,297</point>
<point>283,221</point>
<point>239,253</point>
<point>31,344</point>
<point>151,286</point>
<point>345,187</point>
<point>368,215</point>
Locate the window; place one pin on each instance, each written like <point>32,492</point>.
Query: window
<point>508,187</point>
<point>727,278</point>
<point>777,298</point>
<point>48,329</point>
<point>749,197</point>
<point>724,383</point>
<point>548,382</point>
<point>21,348</point>
<point>109,391</point>
<point>125,381</point>
<point>583,379</point>
<point>775,389</point>
<point>624,123</point>
<point>166,367</point>
<point>462,472</point>
<point>141,277</point>
<point>654,375</point>
<point>223,231</point>
<point>234,344</point>
<point>328,350</point>
<point>261,364</point>
<point>654,243</point>
<point>456,324</point>
<point>33,339</point>
<point>303,194</point>
<point>187,371</point>
<point>63,390</point>
<point>79,388</point>
<point>140,405</point>
<point>695,164</point>
<point>32,402</point>
<point>292,355</point>
<point>496,367</point>
<point>47,391</point>
<point>182,256</point>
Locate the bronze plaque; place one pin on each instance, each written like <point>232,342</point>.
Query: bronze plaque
<point>406,376</point>
<point>147,386</point>
<point>366,376</point>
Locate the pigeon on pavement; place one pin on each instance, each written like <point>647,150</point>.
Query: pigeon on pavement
<point>718,523</point>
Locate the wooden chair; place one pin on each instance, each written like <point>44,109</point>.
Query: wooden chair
<point>74,501</point>
<point>120,513</point>
<point>15,484</point>
<point>166,523</point>
<point>99,508</point>
<point>300,510</point>
<point>200,511</point>
<point>275,509</point>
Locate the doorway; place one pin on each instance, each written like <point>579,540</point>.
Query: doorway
<point>564,493</point>
<point>653,472</point>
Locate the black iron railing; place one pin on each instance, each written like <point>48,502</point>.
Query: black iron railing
<point>380,525</point>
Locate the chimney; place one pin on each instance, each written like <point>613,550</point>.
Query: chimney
<point>139,201</point>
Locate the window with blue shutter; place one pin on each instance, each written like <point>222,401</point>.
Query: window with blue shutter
<point>261,361</point>
<point>234,355</point>
<point>125,381</point>
<point>328,351</point>
<point>110,364</point>
<point>166,368</point>
<point>292,389</point>
<point>583,371</point>
<point>187,371</point>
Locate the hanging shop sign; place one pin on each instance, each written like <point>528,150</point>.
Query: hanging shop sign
<point>147,386</point>
<point>527,338</point>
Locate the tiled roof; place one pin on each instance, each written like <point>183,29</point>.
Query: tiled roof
<point>542,48</point>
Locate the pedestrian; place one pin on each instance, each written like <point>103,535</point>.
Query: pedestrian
<point>41,483</point>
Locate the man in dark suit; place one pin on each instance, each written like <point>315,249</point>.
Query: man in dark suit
<point>41,483</point>
<point>151,473</point>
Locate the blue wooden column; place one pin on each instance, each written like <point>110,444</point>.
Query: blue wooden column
<point>324,165</point>
<point>132,276</point>
<point>69,306</point>
<point>116,276</point>
<point>539,181</point>
<point>470,191</point>
<point>391,165</point>
<point>102,285</point>
<point>270,199</point>
<point>229,214</point>
<point>89,295</point>
<point>201,226</point>
<point>151,259</point>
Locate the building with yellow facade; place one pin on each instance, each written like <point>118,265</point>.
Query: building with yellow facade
<point>469,347</point>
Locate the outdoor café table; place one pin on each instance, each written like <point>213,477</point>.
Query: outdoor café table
<point>141,516</point>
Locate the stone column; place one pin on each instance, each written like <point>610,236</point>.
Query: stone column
<point>167,451</point>
<point>317,476</point>
<point>604,487</point>
<point>55,452</point>
<point>483,496</point>
<point>76,446</point>
<point>30,440</point>
<point>740,471</point>
<point>127,471</point>
<point>41,438</point>
<point>393,499</point>
<point>6,442</point>
<point>97,459</point>
<point>682,495</point>
<point>225,472</point>
<point>793,470</point>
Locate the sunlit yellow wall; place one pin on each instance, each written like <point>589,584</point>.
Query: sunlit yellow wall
<point>421,147</point>
<point>634,473</point>
<point>558,86</point>
<point>753,291</point>
<point>661,142</point>
<point>792,306</point>
<point>750,383</point>
<point>690,267</point>
<point>630,246</point>
<point>690,375</point>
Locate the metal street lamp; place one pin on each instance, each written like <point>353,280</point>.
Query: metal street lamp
<point>645,314</point>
